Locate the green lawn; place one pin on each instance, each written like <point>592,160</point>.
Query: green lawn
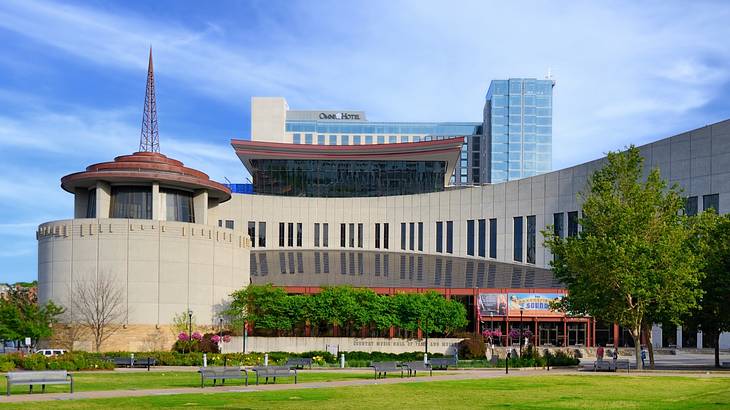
<point>87,381</point>
<point>544,392</point>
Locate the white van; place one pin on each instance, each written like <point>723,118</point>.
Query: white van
<point>50,352</point>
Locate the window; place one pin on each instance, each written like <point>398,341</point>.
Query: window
<point>691,206</point>
<point>470,237</point>
<point>572,223</point>
<point>392,139</point>
<point>316,235</point>
<point>711,201</point>
<point>345,139</point>
<point>333,139</point>
<point>178,205</point>
<point>482,247</point>
<point>559,225</point>
<point>252,233</point>
<point>290,234</point>
<point>381,139</point>
<point>299,235</point>
<point>531,234</point>
<point>91,204</point>
<point>134,202</point>
<point>308,139</point>
<point>320,139</point>
<point>359,235</point>
<point>355,140</point>
<point>385,236</point>
<point>352,235</point>
<point>368,139</point>
<point>403,235</point>
<point>439,237</point>
<point>377,236</point>
<point>343,241</point>
<point>411,234</point>
<point>229,224</point>
<point>449,237</point>
<point>420,236</point>
<point>325,235</point>
<point>297,138</point>
<point>517,236</point>
<point>281,234</point>
<point>493,238</point>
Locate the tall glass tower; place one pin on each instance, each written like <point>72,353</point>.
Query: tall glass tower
<point>518,119</point>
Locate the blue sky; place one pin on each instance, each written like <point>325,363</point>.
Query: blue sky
<point>72,78</point>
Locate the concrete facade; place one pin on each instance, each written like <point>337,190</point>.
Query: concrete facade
<point>260,344</point>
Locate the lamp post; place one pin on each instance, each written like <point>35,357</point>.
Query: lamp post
<point>522,309</point>
<point>190,327</point>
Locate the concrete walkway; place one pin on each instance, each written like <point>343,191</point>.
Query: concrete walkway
<point>455,375</point>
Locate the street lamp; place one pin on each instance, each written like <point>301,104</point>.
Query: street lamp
<point>190,323</point>
<point>522,309</point>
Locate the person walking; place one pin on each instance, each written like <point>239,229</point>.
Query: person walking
<point>643,358</point>
<point>599,353</point>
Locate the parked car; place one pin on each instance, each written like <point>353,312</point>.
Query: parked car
<point>50,352</point>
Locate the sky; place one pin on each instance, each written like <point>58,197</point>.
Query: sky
<point>72,78</point>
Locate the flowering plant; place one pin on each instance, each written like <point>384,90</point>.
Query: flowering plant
<point>197,336</point>
<point>496,333</point>
<point>183,337</point>
<point>226,339</point>
<point>514,333</point>
<point>215,338</point>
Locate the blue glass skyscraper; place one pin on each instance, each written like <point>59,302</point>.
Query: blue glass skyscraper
<point>518,123</point>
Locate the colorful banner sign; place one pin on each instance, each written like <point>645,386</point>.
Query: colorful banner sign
<point>494,303</point>
<point>533,304</point>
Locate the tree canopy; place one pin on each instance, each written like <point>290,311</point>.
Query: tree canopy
<point>633,258</point>
<point>21,316</point>
<point>267,307</point>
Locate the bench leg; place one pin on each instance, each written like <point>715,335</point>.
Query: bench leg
<point>295,378</point>
<point>43,388</point>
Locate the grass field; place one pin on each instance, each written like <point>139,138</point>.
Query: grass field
<point>88,381</point>
<point>535,392</point>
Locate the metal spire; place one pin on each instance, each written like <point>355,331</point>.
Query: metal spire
<point>149,140</point>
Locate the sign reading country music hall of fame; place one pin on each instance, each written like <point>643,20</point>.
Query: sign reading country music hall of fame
<point>533,304</point>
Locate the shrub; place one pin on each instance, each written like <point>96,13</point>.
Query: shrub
<point>472,348</point>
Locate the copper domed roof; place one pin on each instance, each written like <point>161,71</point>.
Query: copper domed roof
<point>146,167</point>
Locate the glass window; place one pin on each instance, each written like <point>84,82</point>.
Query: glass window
<point>355,140</point>
<point>352,235</point>
<point>404,138</point>
<point>299,234</point>
<point>229,224</point>
<point>316,235</point>
<point>385,236</point>
<point>297,138</point>
<point>178,205</point>
<point>559,224</point>
<point>531,238</point>
<point>573,223</point>
<point>470,237</point>
<point>449,237</point>
<point>326,235</point>
<point>262,234</point>
<point>493,238</point>
<point>377,236</point>
<point>691,206</point>
<point>411,235</point>
<point>482,248</point>
<point>281,234</point>
<point>381,139</point>
<point>91,203</point>
<point>290,234</point>
<point>392,139</point>
<point>345,139</point>
<point>333,139</point>
<point>133,202</point>
<point>320,139</point>
<point>343,240</point>
<point>711,201</point>
<point>308,139</point>
<point>416,138</point>
<point>403,235</point>
<point>439,237</point>
<point>368,139</point>
<point>252,233</point>
<point>420,236</point>
<point>517,236</point>
<point>359,235</point>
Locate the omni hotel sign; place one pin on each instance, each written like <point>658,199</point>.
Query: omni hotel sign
<point>339,116</point>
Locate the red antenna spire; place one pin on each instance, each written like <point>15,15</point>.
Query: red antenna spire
<point>149,140</point>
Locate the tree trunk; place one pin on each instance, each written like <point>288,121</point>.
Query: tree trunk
<point>636,335</point>
<point>649,345</point>
<point>717,349</point>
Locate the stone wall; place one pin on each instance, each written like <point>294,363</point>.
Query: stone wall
<point>344,344</point>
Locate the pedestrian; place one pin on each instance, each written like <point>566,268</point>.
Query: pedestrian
<point>599,353</point>
<point>643,358</point>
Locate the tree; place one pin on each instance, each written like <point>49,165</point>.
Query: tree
<point>98,305</point>
<point>22,316</point>
<point>712,315</point>
<point>265,306</point>
<point>632,260</point>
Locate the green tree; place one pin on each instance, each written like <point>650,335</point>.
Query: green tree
<point>266,307</point>
<point>22,316</point>
<point>712,315</point>
<point>632,259</point>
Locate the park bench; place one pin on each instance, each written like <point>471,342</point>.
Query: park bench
<point>602,366</point>
<point>382,369</point>
<point>141,362</point>
<point>416,366</point>
<point>443,363</point>
<point>222,373</point>
<point>298,363</point>
<point>274,371</point>
<point>621,364</point>
<point>40,377</point>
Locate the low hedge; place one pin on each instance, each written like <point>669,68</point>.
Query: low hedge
<point>69,361</point>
